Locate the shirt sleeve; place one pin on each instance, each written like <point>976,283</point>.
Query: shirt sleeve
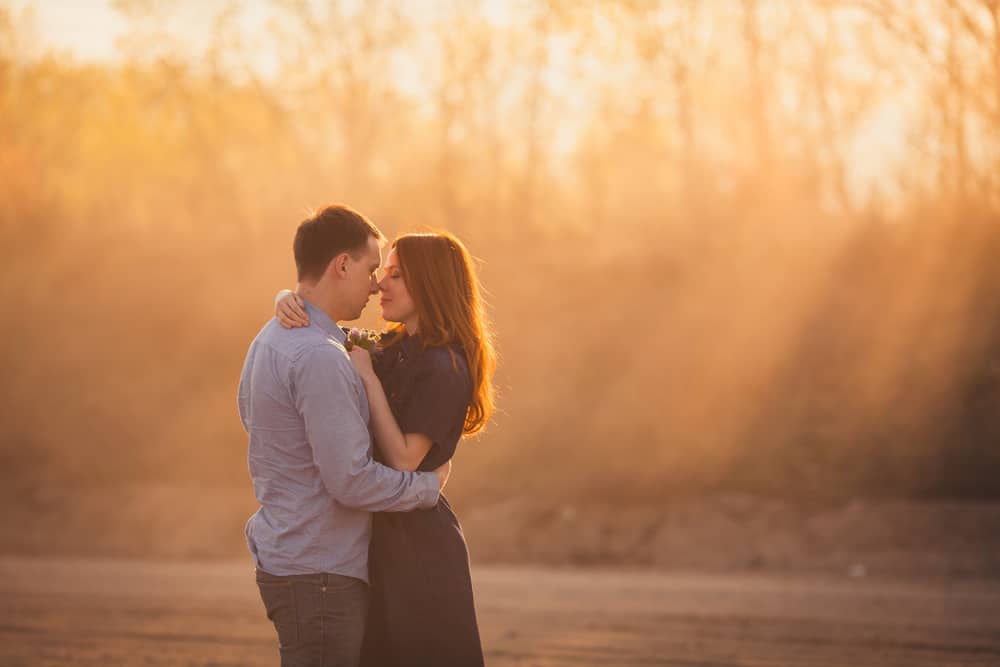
<point>328,395</point>
<point>243,393</point>
<point>438,403</point>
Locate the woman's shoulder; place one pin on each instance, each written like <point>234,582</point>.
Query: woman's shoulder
<point>445,375</point>
<point>445,357</point>
<point>447,361</point>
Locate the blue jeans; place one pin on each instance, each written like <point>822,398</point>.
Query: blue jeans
<point>319,618</point>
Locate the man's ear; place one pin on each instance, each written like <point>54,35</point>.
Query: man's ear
<point>337,268</point>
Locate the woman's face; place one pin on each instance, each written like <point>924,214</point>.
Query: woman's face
<point>396,302</point>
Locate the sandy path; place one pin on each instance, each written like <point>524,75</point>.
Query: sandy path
<point>107,612</point>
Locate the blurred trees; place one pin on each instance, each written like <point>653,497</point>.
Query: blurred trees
<point>787,211</point>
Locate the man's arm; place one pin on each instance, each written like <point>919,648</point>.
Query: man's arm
<point>328,395</point>
<point>243,393</point>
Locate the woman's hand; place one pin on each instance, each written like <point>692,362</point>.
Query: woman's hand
<point>290,311</point>
<point>362,360</point>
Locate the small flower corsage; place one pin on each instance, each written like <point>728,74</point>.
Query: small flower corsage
<point>364,338</point>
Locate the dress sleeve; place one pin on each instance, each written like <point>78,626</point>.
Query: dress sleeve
<point>438,403</point>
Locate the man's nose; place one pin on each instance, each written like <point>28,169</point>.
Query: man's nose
<point>373,287</point>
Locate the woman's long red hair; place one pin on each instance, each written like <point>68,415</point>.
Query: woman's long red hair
<point>441,278</point>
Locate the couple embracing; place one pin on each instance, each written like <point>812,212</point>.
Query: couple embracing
<point>359,558</point>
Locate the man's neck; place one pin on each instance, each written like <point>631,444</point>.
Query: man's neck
<point>318,298</point>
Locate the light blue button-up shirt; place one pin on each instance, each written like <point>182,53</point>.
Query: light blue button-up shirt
<point>310,454</point>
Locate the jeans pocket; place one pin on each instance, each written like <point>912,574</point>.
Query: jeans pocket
<point>342,584</point>
<point>279,601</point>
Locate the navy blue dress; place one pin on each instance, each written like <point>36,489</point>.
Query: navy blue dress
<point>422,611</point>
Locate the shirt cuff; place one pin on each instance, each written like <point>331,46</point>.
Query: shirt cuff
<point>429,490</point>
<point>281,295</point>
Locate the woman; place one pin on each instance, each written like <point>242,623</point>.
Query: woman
<point>429,382</point>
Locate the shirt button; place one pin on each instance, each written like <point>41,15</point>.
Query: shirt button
<point>323,589</point>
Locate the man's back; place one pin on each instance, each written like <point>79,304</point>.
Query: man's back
<point>306,414</point>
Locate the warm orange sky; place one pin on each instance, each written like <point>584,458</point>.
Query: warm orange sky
<point>89,28</point>
<point>85,28</point>
<point>94,30</point>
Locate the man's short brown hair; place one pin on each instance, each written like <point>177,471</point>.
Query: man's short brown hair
<point>327,233</point>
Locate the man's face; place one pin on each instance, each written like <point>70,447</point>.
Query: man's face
<point>362,281</point>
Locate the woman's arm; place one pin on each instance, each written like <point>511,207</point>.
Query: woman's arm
<point>402,451</point>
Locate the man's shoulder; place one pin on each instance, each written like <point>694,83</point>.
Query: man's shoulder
<point>302,343</point>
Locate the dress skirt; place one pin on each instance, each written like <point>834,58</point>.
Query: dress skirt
<point>421,605</point>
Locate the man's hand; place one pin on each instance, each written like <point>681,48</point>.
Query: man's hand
<point>442,474</point>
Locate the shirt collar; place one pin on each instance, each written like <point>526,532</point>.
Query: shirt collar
<point>323,321</point>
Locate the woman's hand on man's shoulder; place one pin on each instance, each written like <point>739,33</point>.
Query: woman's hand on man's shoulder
<point>290,310</point>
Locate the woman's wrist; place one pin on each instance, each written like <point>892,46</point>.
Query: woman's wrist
<point>368,378</point>
<point>281,295</point>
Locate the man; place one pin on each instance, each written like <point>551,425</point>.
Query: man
<point>306,412</point>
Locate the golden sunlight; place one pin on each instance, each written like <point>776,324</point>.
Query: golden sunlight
<point>741,257</point>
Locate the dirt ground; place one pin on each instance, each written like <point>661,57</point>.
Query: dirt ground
<point>89,612</point>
